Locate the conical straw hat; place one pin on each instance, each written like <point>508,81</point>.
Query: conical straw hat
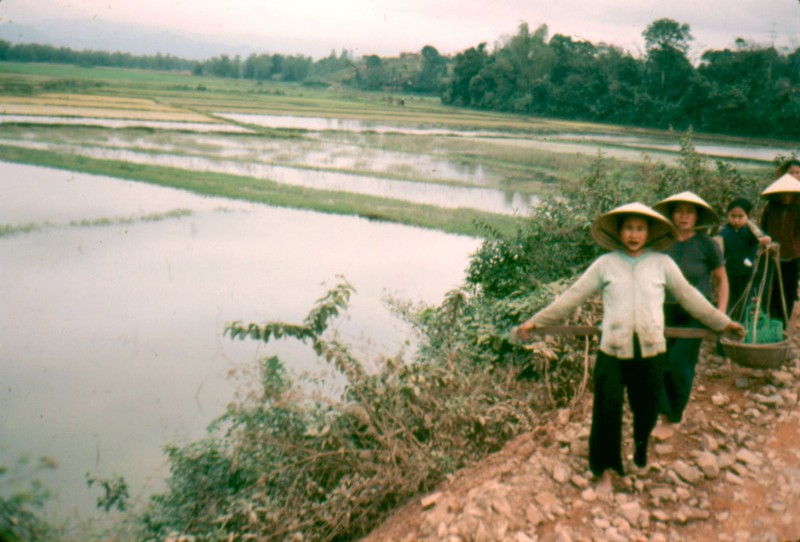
<point>605,230</point>
<point>706,215</point>
<point>784,185</point>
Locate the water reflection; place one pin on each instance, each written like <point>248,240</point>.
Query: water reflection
<point>752,152</point>
<point>318,124</point>
<point>111,335</point>
<point>125,123</point>
<point>765,152</point>
<point>329,155</point>
<point>440,195</point>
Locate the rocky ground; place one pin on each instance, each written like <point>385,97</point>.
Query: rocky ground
<point>731,474</point>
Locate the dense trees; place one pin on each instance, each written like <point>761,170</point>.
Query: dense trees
<point>258,67</point>
<point>433,71</point>
<point>31,52</point>
<point>749,90</point>
<point>373,76</point>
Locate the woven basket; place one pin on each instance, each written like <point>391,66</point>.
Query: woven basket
<point>756,356</point>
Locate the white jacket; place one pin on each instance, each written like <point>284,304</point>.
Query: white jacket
<point>633,299</point>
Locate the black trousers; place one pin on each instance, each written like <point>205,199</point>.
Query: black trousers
<point>642,378</point>
<point>679,371</point>
<point>737,285</point>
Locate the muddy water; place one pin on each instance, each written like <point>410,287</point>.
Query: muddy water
<point>124,123</point>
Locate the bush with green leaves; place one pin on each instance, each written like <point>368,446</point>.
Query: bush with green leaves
<point>718,185</point>
<point>22,500</point>
<point>280,466</point>
<point>115,492</point>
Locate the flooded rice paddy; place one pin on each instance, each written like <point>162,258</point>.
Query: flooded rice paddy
<point>123,123</point>
<point>440,195</point>
<point>323,124</point>
<point>114,309</point>
<point>623,146</point>
<point>316,164</point>
<point>766,152</point>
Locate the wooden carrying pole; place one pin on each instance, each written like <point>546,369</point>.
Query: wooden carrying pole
<point>669,332</point>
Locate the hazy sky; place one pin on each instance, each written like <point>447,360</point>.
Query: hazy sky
<point>388,27</point>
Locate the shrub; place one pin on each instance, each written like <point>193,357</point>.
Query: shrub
<point>280,466</point>
<point>22,498</point>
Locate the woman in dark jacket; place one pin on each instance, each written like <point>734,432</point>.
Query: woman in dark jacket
<point>780,219</point>
<point>700,260</point>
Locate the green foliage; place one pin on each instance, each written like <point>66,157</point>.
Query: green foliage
<point>22,498</point>
<point>718,185</point>
<point>750,91</point>
<point>32,52</point>
<point>311,330</point>
<point>115,492</point>
<point>280,466</point>
<point>667,34</point>
<point>433,70</point>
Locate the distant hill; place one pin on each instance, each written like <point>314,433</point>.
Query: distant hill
<point>105,36</point>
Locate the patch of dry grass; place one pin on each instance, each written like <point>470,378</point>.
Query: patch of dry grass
<point>155,113</point>
<point>97,106</point>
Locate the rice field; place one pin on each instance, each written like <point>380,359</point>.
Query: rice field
<point>366,148</point>
<point>104,107</point>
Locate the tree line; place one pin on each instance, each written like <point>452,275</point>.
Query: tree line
<point>33,52</point>
<point>748,89</point>
<point>423,72</point>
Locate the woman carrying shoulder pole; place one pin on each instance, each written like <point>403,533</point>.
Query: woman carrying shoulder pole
<point>633,279</point>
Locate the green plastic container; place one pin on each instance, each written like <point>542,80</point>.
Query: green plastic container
<point>767,330</point>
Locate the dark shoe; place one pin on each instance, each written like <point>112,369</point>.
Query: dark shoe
<point>640,455</point>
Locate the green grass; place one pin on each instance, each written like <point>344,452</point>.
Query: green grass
<point>107,75</point>
<point>151,217</point>
<point>9,229</point>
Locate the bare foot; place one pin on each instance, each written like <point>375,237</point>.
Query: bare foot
<point>605,485</point>
<point>664,431</point>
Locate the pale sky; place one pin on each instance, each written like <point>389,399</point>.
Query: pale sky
<point>388,27</point>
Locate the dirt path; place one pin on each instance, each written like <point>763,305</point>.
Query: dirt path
<point>731,474</point>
